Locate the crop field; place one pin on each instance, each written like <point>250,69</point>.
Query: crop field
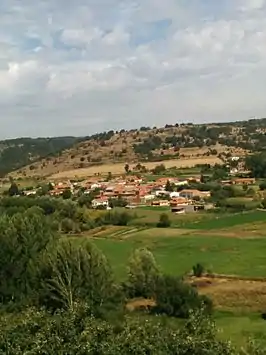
<point>199,221</point>
<point>118,168</point>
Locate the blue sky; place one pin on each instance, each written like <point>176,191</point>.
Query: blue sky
<point>86,66</point>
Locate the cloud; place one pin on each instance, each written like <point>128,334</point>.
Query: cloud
<point>80,67</point>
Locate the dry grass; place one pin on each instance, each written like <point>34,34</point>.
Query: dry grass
<point>117,169</point>
<point>140,304</point>
<point>234,294</point>
<point>227,295</point>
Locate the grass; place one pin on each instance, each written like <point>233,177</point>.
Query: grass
<point>238,303</point>
<point>240,328</point>
<point>176,256</point>
<point>227,221</point>
<point>151,215</point>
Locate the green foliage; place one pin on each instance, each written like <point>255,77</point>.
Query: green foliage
<point>176,299</point>
<point>117,202</point>
<point>169,186</point>
<point>75,272</point>
<point>13,190</point>
<point>257,165</point>
<point>23,239</point>
<point>127,168</point>
<point>143,274</point>
<point>77,333</point>
<point>159,169</point>
<point>198,270</point>
<point>148,145</point>
<point>164,221</point>
<point>19,152</point>
<point>115,217</point>
<point>263,185</point>
<point>67,194</point>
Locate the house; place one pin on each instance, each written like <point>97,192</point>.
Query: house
<point>174,194</point>
<point>162,193</point>
<point>181,183</point>
<point>100,202</point>
<point>186,208</point>
<point>160,203</point>
<point>178,201</point>
<point>61,186</point>
<point>244,181</point>
<point>148,197</point>
<point>189,194</point>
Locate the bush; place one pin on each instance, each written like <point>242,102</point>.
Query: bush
<point>263,185</point>
<point>143,274</point>
<point>115,218</point>
<point>164,221</point>
<point>176,299</point>
<point>67,225</point>
<point>198,270</point>
<point>67,194</point>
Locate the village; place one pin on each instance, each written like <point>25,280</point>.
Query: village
<point>175,194</point>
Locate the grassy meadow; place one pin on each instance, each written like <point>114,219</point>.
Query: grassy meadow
<point>232,245</point>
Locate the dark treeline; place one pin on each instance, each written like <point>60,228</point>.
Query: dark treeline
<point>16,153</point>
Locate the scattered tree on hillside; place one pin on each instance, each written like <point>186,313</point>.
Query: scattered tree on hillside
<point>127,168</point>
<point>159,169</point>
<point>109,176</point>
<point>13,190</point>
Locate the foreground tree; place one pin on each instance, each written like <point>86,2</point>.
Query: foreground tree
<point>77,333</point>
<point>23,239</point>
<point>75,272</point>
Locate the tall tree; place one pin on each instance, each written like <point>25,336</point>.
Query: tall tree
<point>143,273</point>
<point>76,272</point>
<point>169,186</point>
<point>23,239</point>
<point>127,168</point>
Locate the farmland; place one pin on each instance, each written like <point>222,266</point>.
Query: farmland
<point>118,168</point>
<point>229,245</point>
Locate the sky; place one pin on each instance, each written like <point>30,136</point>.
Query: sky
<point>85,66</point>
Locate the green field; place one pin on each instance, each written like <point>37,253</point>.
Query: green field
<point>240,328</point>
<point>225,244</point>
<point>149,216</point>
<point>244,257</point>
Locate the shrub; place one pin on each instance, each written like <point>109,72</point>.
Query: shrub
<point>176,299</point>
<point>164,221</point>
<point>198,270</point>
<point>143,274</point>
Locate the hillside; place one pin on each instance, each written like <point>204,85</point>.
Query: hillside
<point>16,153</point>
<point>175,144</point>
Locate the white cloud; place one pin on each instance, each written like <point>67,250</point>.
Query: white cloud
<point>77,68</point>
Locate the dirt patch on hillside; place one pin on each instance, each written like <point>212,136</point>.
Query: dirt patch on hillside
<point>117,169</point>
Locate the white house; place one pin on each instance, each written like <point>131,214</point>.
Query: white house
<point>174,194</point>
<point>100,202</point>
